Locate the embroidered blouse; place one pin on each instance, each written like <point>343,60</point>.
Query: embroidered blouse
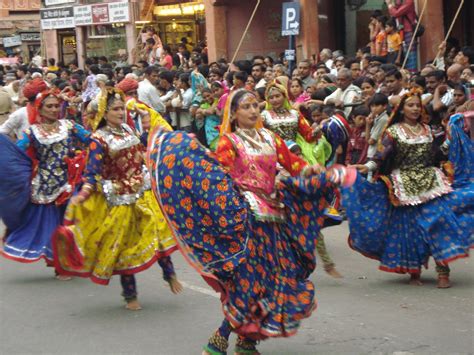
<point>50,152</point>
<point>413,179</point>
<point>115,165</point>
<point>251,157</point>
<point>288,124</point>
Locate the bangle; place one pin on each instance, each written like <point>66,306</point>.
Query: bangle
<point>87,187</point>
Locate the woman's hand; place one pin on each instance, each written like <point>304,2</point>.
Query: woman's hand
<point>79,198</point>
<point>314,170</point>
<point>361,168</point>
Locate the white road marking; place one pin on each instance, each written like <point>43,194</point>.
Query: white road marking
<point>201,290</point>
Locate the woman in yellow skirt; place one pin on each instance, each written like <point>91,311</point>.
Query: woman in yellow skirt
<point>114,224</point>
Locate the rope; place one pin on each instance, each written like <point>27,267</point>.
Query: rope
<point>450,29</point>
<point>245,31</point>
<point>413,37</point>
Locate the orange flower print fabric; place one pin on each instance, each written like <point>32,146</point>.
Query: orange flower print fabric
<point>261,268</point>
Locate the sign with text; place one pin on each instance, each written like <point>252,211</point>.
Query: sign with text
<point>118,12</point>
<point>100,13</point>
<point>12,41</point>
<point>52,19</point>
<point>35,36</point>
<point>290,25</point>
<point>290,54</point>
<point>83,15</point>
<point>58,2</point>
<point>114,12</point>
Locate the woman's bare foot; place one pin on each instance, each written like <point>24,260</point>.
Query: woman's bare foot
<point>443,281</point>
<point>415,280</point>
<point>133,305</point>
<point>175,285</point>
<point>63,278</point>
<point>334,273</point>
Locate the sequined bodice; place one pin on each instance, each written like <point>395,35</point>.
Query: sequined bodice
<point>283,124</point>
<point>51,148</point>
<point>412,153</point>
<point>415,179</point>
<point>255,170</point>
<point>123,160</point>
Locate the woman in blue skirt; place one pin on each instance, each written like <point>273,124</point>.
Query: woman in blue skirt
<point>37,178</point>
<point>414,210</point>
<point>251,238</point>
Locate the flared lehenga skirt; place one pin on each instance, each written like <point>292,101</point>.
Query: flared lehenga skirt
<point>98,240</point>
<point>404,237</point>
<point>29,226</point>
<point>260,268</point>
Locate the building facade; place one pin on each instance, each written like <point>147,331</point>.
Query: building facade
<point>20,28</point>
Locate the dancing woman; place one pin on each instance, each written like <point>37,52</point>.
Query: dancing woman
<point>250,240</point>
<point>37,178</point>
<point>413,211</point>
<point>114,225</point>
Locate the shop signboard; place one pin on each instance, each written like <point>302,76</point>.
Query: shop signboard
<point>100,13</point>
<point>83,15</point>
<point>30,37</point>
<point>118,12</point>
<point>58,2</point>
<point>12,41</point>
<point>62,17</point>
<point>95,14</point>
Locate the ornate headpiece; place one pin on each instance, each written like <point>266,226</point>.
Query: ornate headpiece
<point>232,104</point>
<point>104,97</point>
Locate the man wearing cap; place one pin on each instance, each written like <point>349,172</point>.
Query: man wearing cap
<point>18,120</point>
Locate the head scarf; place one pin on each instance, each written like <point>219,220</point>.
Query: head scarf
<point>274,85</point>
<point>33,110</point>
<point>34,87</point>
<point>127,85</point>
<point>104,97</point>
<point>232,104</point>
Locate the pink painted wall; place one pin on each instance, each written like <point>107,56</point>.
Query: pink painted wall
<point>264,33</point>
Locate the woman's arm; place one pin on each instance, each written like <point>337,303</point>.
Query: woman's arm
<point>225,153</point>
<point>81,133</point>
<point>291,162</point>
<point>305,129</point>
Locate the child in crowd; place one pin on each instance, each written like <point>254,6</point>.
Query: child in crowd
<point>182,118</point>
<point>209,119</point>
<point>381,38</point>
<point>376,122</point>
<point>357,145</point>
<point>394,42</point>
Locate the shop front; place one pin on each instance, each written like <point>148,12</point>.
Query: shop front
<point>20,36</point>
<point>93,29</point>
<point>174,21</point>
<point>105,29</point>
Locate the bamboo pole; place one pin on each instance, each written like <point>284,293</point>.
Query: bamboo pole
<point>413,37</point>
<point>245,31</point>
<point>450,29</point>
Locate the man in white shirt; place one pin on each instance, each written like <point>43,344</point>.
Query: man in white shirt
<point>147,91</point>
<point>325,56</point>
<point>18,120</point>
<point>16,123</point>
<point>346,94</point>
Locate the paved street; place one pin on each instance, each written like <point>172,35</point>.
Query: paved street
<point>367,312</point>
